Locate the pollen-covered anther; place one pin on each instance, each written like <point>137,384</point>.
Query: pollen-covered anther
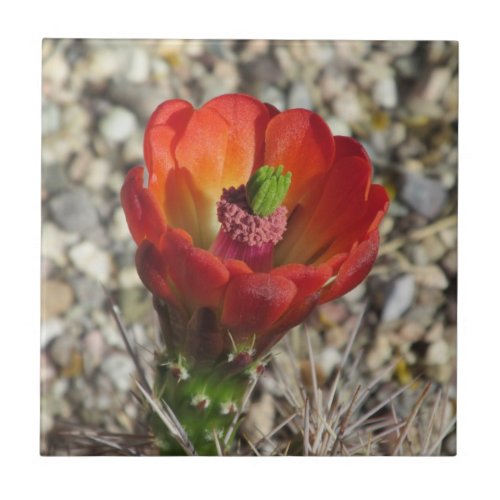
<point>242,225</point>
<point>200,401</point>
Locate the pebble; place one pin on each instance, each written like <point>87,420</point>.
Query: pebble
<point>328,359</point>
<point>431,276</point>
<point>400,298</point>
<point>101,65</point>
<point>434,248</point>
<point>412,331</point>
<point>55,243</point>
<point>385,93</point>
<point>449,237</point>
<point>51,118</point>
<point>55,70</point>
<point>73,211</point>
<point>379,353</point>
<point>438,353</point>
<point>119,228</point>
<point>120,368</point>
<point>450,263</point>
<point>299,96</point>
<point>50,329</point>
<point>57,298</point>
<point>62,348</point>
<point>138,65</point>
<point>89,292</point>
<point>437,84</point>
<point>91,260</point>
<point>94,349</point>
<point>259,420</point>
<point>98,171</point>
<point>338,126</point>
<point>273,96</point>
<point>424,195</point>
<point>118,124</point>
<point>348,108</point>
<point>128,278</point>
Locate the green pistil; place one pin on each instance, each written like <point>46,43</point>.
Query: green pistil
<point>267,189</point>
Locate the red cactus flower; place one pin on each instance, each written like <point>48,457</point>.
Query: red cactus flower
<point>229,280</point>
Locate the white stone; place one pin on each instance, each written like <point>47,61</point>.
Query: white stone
<point>385,93</point>
<point>91,260</point>
<point>400,298</point>
<point>438,353</point>
<point>431,276</point>
<point>338,126</point>
<point>98,173</point>
<point>118,124</point>
<point>119,228</point>
<point>51,329</point>
<point>55,242</point>
<point>138,66</point>
<point>328,359</point>
<point>128,278</point>
<point>120,369</point>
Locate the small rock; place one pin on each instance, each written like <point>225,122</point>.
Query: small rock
<point>47,370</point>
<point>424,195</point>
<point>92,261</point>
<point>412,331</point>
<point>299,96</point>
<point>94,349</point>
<point>434,248</point>
<point>260,418</point>
<point>75,119</point>
<point>338,126</point>
<point>55,242</point>
<point>57,298</point>
<point>435,332</point>
<point>119,228</point>
<point>273,96</point>
<point>118,124</point>
<point>437,84</point>
<point>356,294</point>
<point>73,211</point>
<point>138,66</point>
<point>379,353</point>
<point>385,93</point>
<point>98,173</point>
<point>101,65</point>
<point>328,359</point>
<point>120,368</point>
<point>348,107</point>
<point>450,262</point>
<point>400,298</point>
<point>62,349</point>
<point>51,329</point>
<point>333,313</point>
<point>133,149</point>
<point>438,353</point>
<point>55,70</point>
<point>54,179</point>
<point>337,336</point>
<point>128,278</point>
<point>89,292</point>
<point>449,237</point>
<point>51,118</point>
<point>431,276</point>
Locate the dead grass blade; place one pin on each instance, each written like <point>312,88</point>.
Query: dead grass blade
<point>411,418</point>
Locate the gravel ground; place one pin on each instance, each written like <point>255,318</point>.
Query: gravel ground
<point>399,99</point>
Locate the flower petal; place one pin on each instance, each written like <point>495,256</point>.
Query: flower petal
<point>354,270</point>
<point>253,302</point>
<point>163,131</point>
<point>307,279</point>
<point>145,218</point>
<point>247,119</point>
<point>199,276</point>
<point>302,142</point>
<point>337,208</point>
<point>152,270</point>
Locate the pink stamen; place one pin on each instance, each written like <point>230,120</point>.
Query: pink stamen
<point>244,235</point>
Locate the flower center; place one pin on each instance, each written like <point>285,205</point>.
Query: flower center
<point>252,220</point>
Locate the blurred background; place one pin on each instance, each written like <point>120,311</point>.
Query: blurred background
<point>399,98</point>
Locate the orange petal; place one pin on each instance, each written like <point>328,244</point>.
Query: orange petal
<point>152,270</point>
<point>163,131</point>
<point>354,270</point>
<point>247,119</point>
<point>253,302</point>
<point>145,217</point>
<point>302,142</point>
<point>367,221</point>
<point>307,279</point>
<point>199,276</point>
